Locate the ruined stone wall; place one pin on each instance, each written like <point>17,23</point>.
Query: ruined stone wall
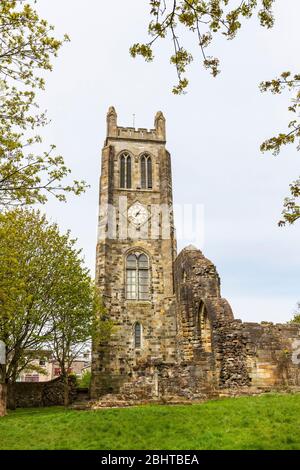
<point>272,354</point>
<point>199,305</point>
<point>36,394</point>
<point>214,353</point>
<point>166,382</point>
<point>238,355</point>
<point>257,355</point>
<point>230,345</point>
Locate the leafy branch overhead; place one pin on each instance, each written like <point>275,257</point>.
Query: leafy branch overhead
<point>205,19</point>
<point>27,44</point>
<point>276,86</point>
<point>296,317</point>
<point>291,83</point>
<point>27,47</point>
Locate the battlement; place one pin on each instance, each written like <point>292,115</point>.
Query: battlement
<point>139,134</point>
<point>118,132</point>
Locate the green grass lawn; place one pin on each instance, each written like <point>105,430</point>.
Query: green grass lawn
<point>263,422</point>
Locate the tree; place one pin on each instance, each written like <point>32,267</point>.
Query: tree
<point>46,293</point>
<point>296,317</point>
<point>85,380</point>
<point>27,48</point>
<point>291,210</point>
<point>79,318</point>
<point>206,20</point>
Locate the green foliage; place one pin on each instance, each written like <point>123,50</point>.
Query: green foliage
<point>290,83</point>
<point>296,317</point>
<point>205,19</point>
<point>262,422</point>
<point>79,317</point>
<point>27,47</point>
<point>31,367</point>
<point>291,205</point>
<point>142,49</point>
<point>85,380</point>
<point>27,44</point>
<point>46,294</point>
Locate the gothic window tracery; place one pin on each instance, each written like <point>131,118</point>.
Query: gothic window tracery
<point>125,170</point>
<point>146,171</point>
<point>137,277</point>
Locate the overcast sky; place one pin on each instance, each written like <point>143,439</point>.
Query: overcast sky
<point>213,134</point>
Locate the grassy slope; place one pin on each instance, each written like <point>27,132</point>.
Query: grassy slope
<point>264,422</point>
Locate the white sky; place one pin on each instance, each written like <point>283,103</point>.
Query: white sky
<point>213,135</point>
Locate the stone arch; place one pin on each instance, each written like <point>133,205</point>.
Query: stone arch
<point>125,170</point>
<point>204,328</point>
<point>137,276</point>
<point>146,171</point>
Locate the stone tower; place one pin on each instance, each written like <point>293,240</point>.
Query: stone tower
<point>135,253</point>
<point>175,337</point>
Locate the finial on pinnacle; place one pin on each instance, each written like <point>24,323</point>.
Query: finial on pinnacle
<point>111,110</point>
<point>111,119</point>
<point>160,125</point>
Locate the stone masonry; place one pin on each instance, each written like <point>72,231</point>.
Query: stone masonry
<point>177,339</point>
<point>35,394</point>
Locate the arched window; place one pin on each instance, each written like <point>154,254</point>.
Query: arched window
<point>137,335</point>
<point>137,277</point>
<point>146,172</point>
<point>125,170</point>
<point>205,328</point>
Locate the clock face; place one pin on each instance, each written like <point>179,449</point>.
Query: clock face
<point>138,214</point>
